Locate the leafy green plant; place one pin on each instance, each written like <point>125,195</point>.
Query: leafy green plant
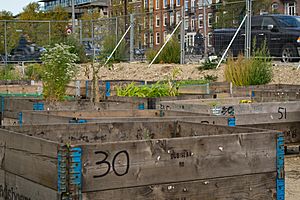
<point>34,71</point>
<point>9,73</point>
<point>208,64</point>
<point>170,53</point>
<point>60,68</point>
<point>211,78</point>
<point>193,82</point>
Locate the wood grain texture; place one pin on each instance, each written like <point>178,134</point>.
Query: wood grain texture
<point>178,159</point>
<point>247,187</point>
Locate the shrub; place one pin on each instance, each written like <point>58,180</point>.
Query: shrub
<point>208,64</point>
<point>170,53</point>
<point>75,47</point>
<point>34,71</point>
<point>254,71</point>
<point>59,69</point>
<point>109,44</point>
<point>9,73</point>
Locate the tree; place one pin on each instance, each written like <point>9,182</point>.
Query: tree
<point>4,15</point>
<point>59,69</point>
<point>231,12</point>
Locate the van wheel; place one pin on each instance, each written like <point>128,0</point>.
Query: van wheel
<point>289,53</point>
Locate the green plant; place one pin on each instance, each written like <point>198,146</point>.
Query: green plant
<point>211,78</point>
<point>193,82</point>
<point>254,71</point>
<point>109,44</point>
<point>9,73</point>
<point>208,64</point>
<point>60,68</point>
<point>34,71</point>
<point>170,53</point>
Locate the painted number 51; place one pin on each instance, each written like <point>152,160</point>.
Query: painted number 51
<point>282,112</point>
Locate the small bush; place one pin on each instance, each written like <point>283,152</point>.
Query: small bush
<point>170,53</point>
<point>34,71</point>
<point>9,73</point>
<point>254,71</point>
<point>109,44</point>
<point>208,64</point>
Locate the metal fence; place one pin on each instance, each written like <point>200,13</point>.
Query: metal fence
<point>208,28</point>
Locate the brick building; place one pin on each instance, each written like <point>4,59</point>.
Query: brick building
<point>288,7</point>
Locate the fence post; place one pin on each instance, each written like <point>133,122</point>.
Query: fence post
<point>182,35</point>
<point>49,32</point>
<point>248,29</point>
<point>5,41</point>
<point>80,31</point>
<point>204,29</point>
<point>132,38</point>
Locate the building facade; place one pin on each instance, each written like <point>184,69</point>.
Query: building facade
<point>81,6</point>
<point>287,7</point>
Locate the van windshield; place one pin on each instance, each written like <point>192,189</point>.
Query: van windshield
<point>288,21</point>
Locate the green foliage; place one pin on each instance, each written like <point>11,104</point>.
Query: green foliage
<point>59,69</point>
<point>193,82</point>
<point>211,78</point>
<point>254,71</point>
<point>208,64</point>
<point>6,15</point>
<point>9,73</point>
<point>75,47</point>
<point>109,44</point>
<point>34,71</point>
<point>170,53</point>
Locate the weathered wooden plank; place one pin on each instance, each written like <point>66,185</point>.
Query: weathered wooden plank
<point>16,187</point>
<point>256,186</point>
<point>136,163</point>
<point>29,157</point>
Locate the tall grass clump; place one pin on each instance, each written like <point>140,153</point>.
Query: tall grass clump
<point>256,70</point>
<point>170,53</point>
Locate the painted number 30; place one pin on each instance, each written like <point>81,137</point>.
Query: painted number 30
<point>112,165</point>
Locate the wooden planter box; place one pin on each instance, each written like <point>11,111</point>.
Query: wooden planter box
<point>142,160</point>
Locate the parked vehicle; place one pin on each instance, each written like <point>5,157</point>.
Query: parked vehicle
<point>25,51</point>
<point>281,33</point>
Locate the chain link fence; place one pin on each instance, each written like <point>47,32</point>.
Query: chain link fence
<point>208,27</point>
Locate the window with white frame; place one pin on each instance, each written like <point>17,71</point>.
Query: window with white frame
<point>200,21</point>
<point>151,40</point>
<point>171,3</point>
<point>165,3</point>
<point>157,4</point>
<point>177,2</point>
<point>177,17</point>
<point>209,39</point>
<point>210,19</point>
<point>157,21</point>
<point>200,4</point>
<point>151,22</point>
<point>157,37</point>
<point>186,22</point>
<point>165,36</point>
<point>186,5</point>
<point>165,19</point>
<point>145,39</point>
<point>171,18</point>
<point>193,24</point>
<point>145,3</point>
<point>290,8</point>
<point>193,4</point>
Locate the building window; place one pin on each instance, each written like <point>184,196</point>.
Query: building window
<point>165,36</point>
<point>209,39</point>
<point>157,38</point>
<point>193,24</point>
<point>200,21</point>
<point>186,23</point>
<point>171,18</point>
<point>177,17</point>
<point>157,4</point>
<point>186,5</point>
<point>145,39</point>
<point>165,19</point>
<point>171,3</point>
<point>146,4</point>
<point>165,3</point>
<point>177,2</point>
<point>157,21</point>
<point>210,19</point>
<point>200,4</point>
<point>151,40</point>
<point>193,5</point>
<point>290,8</point>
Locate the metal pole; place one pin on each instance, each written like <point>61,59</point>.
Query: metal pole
<point>182,35</point>
<point>116,29</point>
<point>132,38</point>
<point>205,28</point>
<point>165,43</point>
<point>109,57</point>
<point>49,30</point>
<point>80,31</point>
<point>233,38</point>
<point>5,41</point>
<point>73,16</point>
